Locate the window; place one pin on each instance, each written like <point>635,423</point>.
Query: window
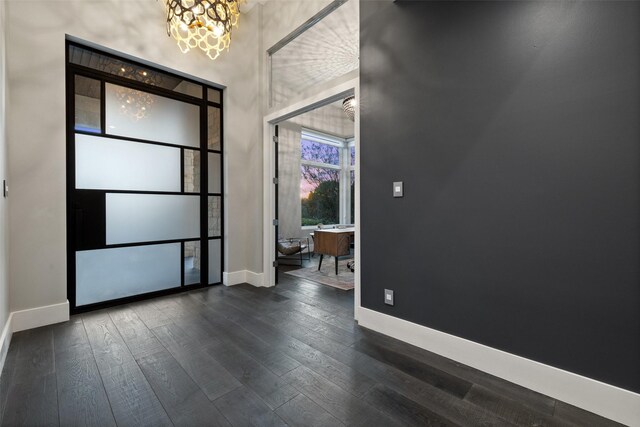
<point>326,179</point>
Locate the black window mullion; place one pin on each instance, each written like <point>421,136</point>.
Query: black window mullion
<point>182,283</point>
<point>71,181</point>
<point>103,109</point>
<point>182,170</point>
<point>204,197</point>
<point>221,169</point>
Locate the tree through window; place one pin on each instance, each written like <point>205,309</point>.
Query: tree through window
<point>323,166</point>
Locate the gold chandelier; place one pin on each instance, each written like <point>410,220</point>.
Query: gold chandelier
<point>204,24</point>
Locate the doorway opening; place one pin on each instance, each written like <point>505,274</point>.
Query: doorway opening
<point>315,194</point>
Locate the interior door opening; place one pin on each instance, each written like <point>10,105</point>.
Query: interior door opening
<point>314,191</point>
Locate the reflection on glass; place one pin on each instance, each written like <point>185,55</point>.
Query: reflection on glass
<point>213,95</point>
<point>214,215</point>
<point>87,104</point>
<point>107,274</point>
<point>191,171</point>
<point>213,126</point>
<point>134,218</point>
<point>113,164</point>
<point>192,262</point>
<point>215,261</point>
<point>137,114</point>
<point>214,184</point>
<point>319,195</point>
<point>189,88</point>
<point>318,152</point>
<point>138,73</point>
<point>352,151</point>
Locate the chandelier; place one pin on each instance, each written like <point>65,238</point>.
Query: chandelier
<point>204,24</point>
<point>349,107</point>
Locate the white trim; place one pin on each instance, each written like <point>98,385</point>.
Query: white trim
<point>255,279</point>
<point>356,211</point>
<point>320,165</point>
<point>322,138</point>
<point>242,276</point>
<point>5,340</point>
<point>39,316</point>
<point>603,399</point>
<point>234,277</point>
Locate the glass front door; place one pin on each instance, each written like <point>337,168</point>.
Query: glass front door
<point>144,180</point>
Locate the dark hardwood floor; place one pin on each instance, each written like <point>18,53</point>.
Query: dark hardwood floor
<point>245,356</point>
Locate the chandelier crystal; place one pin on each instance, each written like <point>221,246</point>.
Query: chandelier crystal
<point>203,24</point>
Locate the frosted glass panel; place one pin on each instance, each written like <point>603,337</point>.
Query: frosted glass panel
<point>215,268</point>
<point>214,173</point>
<point>134,218</point>
<point>139,114</point>
<point>107,274</point>
<point>112,164</point>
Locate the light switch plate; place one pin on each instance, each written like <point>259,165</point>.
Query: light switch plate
<point>398,189</point>
<point>388,296</point>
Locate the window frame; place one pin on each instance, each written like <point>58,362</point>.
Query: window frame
<point>344,167</point>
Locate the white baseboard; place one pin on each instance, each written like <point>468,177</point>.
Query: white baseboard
<point>255,279</point>
<point>5,340</point>
<point>39,316</point>
<point>234,277</point>
<point>243,276</point>
<point>603,399</point>
<point>28,319</point>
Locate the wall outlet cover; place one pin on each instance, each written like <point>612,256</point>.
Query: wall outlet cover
<point>398,189</point>
<point>388,296</point>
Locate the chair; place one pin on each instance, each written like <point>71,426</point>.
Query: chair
<point>292,246</point>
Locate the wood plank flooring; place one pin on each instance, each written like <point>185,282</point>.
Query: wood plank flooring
<point>245,356</point>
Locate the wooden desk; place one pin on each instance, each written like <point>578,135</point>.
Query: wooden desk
<point>334,242</point>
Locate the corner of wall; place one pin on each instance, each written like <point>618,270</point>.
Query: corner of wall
<point>4,229</point>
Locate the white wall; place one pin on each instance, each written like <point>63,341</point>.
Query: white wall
<point>4,236</point>
<point>36,131</point>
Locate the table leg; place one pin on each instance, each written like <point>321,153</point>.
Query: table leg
<point>336,266</point>
<point>320,264</point>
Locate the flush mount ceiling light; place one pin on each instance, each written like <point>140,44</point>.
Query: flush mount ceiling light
<point>204,24</point>
<point>349,107</point>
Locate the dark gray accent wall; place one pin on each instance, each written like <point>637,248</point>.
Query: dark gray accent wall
<point>515,128</point>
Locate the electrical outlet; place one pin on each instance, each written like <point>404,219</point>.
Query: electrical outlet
<point>388,296</point>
